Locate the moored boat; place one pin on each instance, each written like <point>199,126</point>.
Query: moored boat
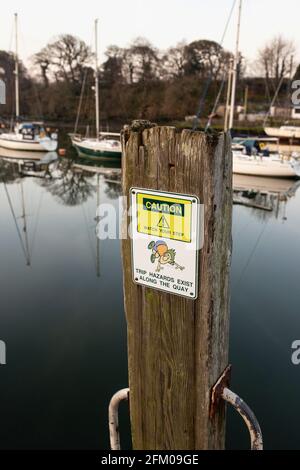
<point>285,132</point>
<point>30,136</point>
<point>106,146</point>
<point>27,136</point>
<point>272,166</point>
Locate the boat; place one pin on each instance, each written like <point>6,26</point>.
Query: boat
<point>251,156</point>
<point>259,165</point>
<point>284,132</point>
<point>261,144</point>
<point>16,155</point>
<point>105,144</point>
<point>27,136</point>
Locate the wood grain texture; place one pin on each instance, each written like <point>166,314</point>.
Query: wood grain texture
<point>178,348</point>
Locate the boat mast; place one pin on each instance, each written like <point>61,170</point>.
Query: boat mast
<point>98,240</point>
<point>96,80</point>
<point>17,69</point>
<point>25,226</point>
<point>235,66</point>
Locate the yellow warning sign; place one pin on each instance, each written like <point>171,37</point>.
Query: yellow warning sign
<point>164,216</point>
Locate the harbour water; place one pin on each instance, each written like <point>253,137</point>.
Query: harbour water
<point>63,322</point>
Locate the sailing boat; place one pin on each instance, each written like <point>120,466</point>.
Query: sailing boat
<point>30,136</point>
<point>106,144</point>
<point>256,163</point>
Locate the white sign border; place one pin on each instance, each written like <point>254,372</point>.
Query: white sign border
<point>132,191</point>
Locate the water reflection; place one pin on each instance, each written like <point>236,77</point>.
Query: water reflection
<point>56,308</point>
<point>68,311</point>
<point>268,196</point>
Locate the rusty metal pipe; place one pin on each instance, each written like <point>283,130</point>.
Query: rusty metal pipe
<point>248,416</point>
<point>113,417</point>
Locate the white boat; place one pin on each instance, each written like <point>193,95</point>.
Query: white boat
<point>273,166</point>
<point>286,132</point>
<point>30,136</point>
<point>108,145</point>
<point>15,155</point>
<point>105,144</point>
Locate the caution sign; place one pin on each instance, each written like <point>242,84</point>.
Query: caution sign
<point>165,241</point>
<point>164,216</point>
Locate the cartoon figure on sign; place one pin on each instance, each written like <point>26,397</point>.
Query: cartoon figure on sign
<point>163,254</point>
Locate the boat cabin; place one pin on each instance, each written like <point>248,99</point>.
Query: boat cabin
<point>31,130</point>
<point>254,145</point>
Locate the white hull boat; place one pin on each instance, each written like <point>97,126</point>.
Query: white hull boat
<point>12,142</point>
<point>287,132</point>
<point>265,166</point>
<point>107,146</point>
<point>30,137</point>
<point>27,136</point>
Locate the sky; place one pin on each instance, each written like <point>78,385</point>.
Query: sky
<point>163,22</point>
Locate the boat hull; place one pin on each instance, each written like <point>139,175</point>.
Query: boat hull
<point>264,167</point>
<point>283,132</point>
<point>44,145</point>
<point>84,151</point>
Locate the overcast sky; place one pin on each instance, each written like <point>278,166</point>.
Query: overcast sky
<point>163,22</point>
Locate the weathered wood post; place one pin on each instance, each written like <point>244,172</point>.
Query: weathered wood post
<point>178,347</point>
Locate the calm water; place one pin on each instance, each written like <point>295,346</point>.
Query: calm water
<point>63,322</point>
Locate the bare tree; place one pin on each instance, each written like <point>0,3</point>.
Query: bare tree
<point>113,65</point>
<point>174,61</point>
<point>274,61</point>
<point>141,61</point>
<point>206,58</point>
<point>64,59</point>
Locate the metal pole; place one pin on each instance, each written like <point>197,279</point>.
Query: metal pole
<point>236,60</point>
<point>96,80</point>
<point>113,418</point>
<point>17,69</point>
<point>247,415</point>
<point>98,241</point>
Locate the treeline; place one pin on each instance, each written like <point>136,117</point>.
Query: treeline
<point>139,81</point>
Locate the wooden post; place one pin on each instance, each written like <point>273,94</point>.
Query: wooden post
<point>177,347</point>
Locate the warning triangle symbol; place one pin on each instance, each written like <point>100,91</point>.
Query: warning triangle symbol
<point>163,223</point>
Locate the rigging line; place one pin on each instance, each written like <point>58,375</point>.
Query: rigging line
<point>251,255</point>
<point>80,100</point>
<point>15,219</point>
<point>216,102</point>
<point>210,77</point>
<point>89,236</point>
<point>37,221</point>
<point>25,224</point>
<point>273,100</point>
